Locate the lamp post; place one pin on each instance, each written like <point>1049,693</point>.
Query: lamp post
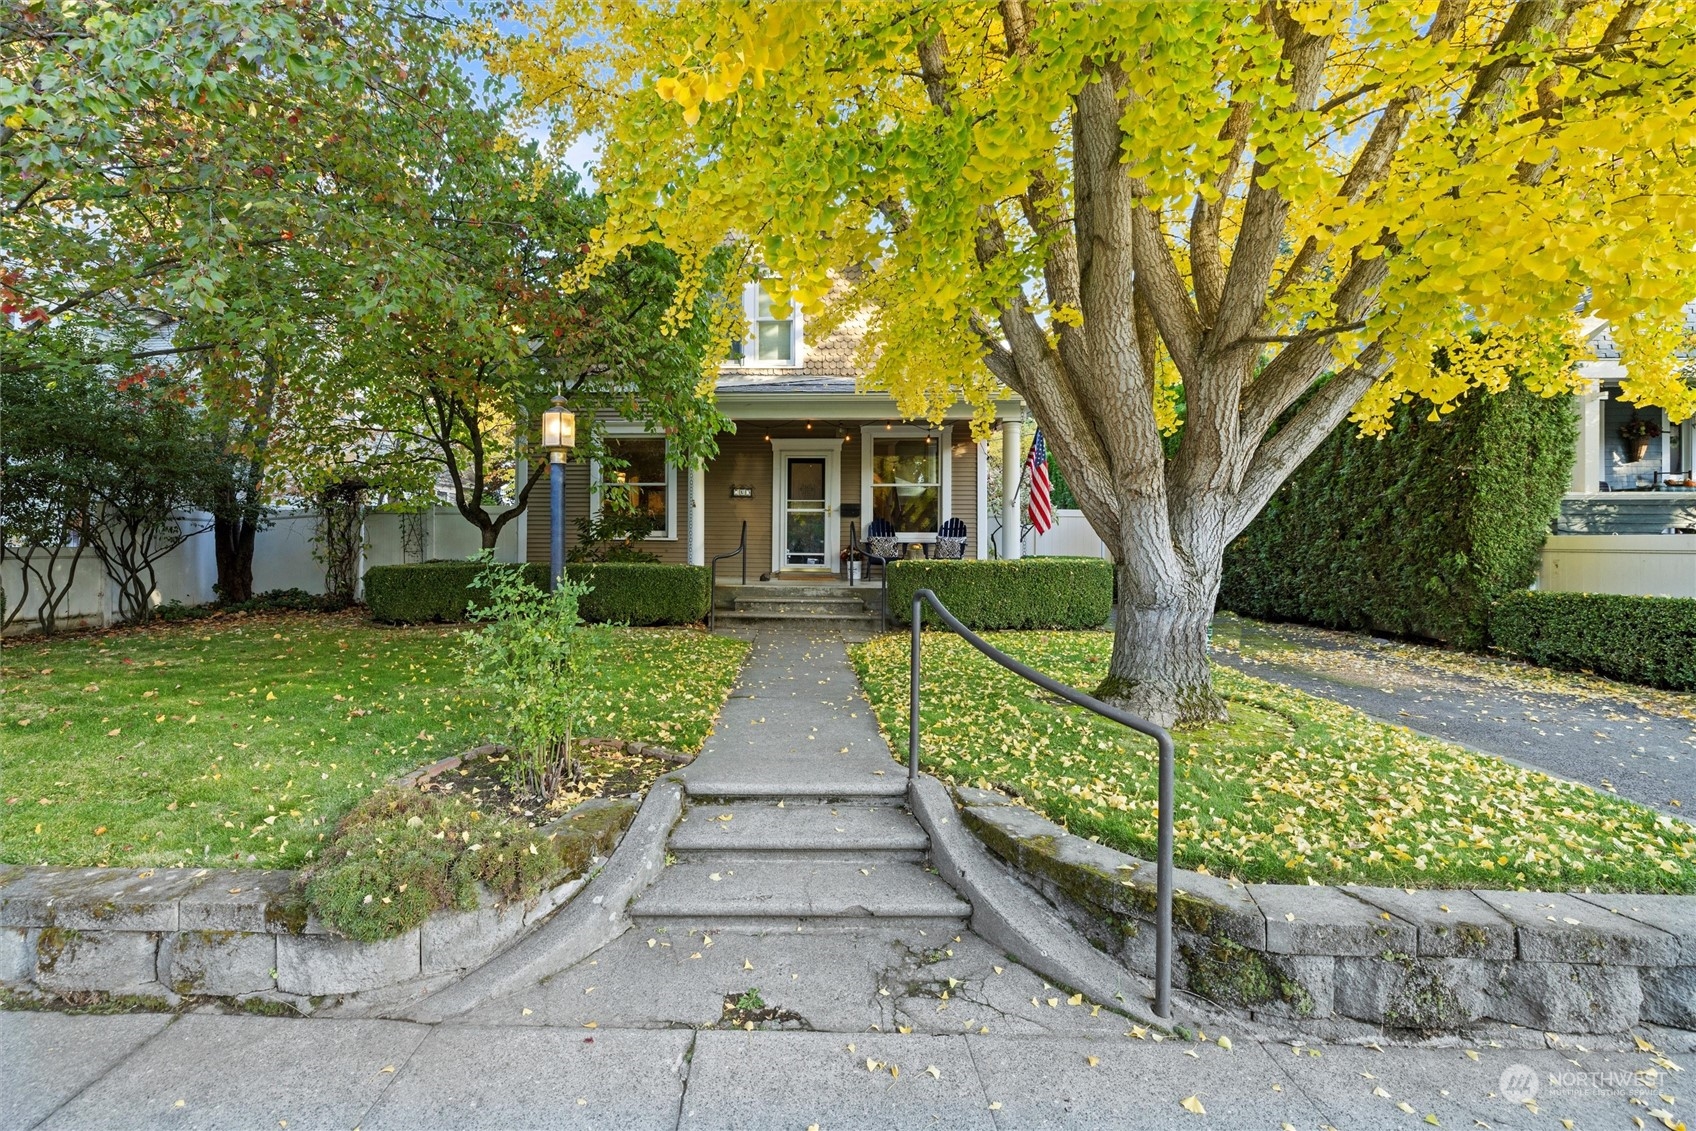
<point>559,433</point>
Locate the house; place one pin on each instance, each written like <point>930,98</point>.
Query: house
<point>812,461</point>
<point>1629,493</point>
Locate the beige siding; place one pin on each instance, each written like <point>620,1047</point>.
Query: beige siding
<point>963,470</point>
<point>577,505</point>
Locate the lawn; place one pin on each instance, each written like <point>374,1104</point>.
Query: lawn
<point>1294,788</point>
<point>241,740</point>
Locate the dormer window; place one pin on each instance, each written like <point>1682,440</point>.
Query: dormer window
<point>774,337</point>
<point>771,340</point>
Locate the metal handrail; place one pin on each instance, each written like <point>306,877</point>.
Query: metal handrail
<point>865,557</point>
<point>1164,836</point>
<point>712,587</point>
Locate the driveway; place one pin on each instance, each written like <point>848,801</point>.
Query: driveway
<point>1638,743</point>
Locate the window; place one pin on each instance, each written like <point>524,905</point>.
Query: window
<point>645,484</point>
<point>907,482</point>
<point>774,338</point>
<point>771,340</point>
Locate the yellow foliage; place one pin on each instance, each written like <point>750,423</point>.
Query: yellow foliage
<point>807,134</point>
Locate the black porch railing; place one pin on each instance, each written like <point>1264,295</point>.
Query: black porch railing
<point>1163,862</point>
<point>857,550</point>
<point>712,587</point>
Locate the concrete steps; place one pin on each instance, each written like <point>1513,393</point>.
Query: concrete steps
<point>754,830</point>
<point>786,861</point>
<point>731,894</point>
<point>802,606</point>
<point>834,603</point>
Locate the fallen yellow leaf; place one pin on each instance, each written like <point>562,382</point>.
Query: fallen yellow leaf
<point>1193,1106</point>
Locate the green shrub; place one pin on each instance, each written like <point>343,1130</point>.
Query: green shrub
<point>281,600</point>
<point>1026,593</point>
<point>629,592</point>
<point>1415,534</point>
<point>1648,640</point>
<point>528,665</point>
<point>643,592</point>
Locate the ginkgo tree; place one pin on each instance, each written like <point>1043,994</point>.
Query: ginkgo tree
<point>1239,224</point>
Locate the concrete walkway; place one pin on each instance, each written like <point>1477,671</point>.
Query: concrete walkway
<point>797,724</point>
<point>219,1072</point>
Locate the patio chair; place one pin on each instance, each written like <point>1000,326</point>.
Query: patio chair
<point>882,546</point>
<point>950,541</point>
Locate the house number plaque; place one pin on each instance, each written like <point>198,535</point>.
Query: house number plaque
<point>741,490</point>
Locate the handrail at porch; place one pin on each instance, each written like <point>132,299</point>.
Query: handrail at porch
<point>1164,834</point>
<point>712,586</point>
<point>865,556</point>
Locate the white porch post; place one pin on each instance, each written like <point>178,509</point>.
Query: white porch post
<point>1011,458</point>
<point>698,513</point>
<point>1588,469</point>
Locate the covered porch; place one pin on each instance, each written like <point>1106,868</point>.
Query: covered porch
<point>810,465</point>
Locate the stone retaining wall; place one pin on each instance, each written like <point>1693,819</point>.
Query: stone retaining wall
<point>1421,961</point>
<point>248,935</point>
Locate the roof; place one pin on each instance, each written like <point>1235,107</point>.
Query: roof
<point>784,381</point>
<point>829,374</point>
<point>1598,335</point>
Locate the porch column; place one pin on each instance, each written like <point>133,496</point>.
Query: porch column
<point>1588,468</point>
<point>698,513</point>
<point>1012,437</point>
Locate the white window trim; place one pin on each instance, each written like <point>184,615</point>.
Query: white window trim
<point>871,432</point>
<point>751,343</point>
<point>635,430</point>
<point>831,450</point>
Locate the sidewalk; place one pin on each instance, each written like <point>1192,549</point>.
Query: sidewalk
<point>223,1072</point>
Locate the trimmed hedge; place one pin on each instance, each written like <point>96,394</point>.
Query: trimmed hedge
<point>626,592</point>
<point>1026,593</point>
<point>1648,640</point>
<point>643,592</point>
<point>1415,534</point>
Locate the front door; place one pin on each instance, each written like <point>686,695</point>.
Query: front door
<point>805,513</point>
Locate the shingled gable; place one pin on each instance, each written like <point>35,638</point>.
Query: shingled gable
<point>827,366</point>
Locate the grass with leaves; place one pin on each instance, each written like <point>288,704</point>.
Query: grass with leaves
<point>1293,788</point>
<point>239,741</point>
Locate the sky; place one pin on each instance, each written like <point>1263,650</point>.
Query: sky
<point>580,155</point>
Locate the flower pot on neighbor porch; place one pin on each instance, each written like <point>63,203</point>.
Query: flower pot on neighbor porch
<point>1636,449</point>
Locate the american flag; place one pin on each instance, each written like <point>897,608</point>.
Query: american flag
<point>1042,489</point>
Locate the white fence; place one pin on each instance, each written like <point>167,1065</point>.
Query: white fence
<point>282,559</point>
<point>1647,565</point>
<point>1070,536</point>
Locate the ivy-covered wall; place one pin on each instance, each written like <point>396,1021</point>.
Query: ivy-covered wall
<point>1414,534</point>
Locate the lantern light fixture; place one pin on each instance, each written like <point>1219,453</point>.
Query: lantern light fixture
<point>559,430</point>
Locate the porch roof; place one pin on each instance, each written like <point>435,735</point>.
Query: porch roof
<point>794,395</point>
<point>1605,365</point>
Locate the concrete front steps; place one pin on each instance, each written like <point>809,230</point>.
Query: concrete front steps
<point>832,602</point>
<point>788,863</point>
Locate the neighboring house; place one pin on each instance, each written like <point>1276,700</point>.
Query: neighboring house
<point>1604,462</point>
<point>812,461</point>
<point>1630,500</point>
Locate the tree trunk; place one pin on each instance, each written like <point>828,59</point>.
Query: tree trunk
<point>490,534</point>
<point>1159,668</point>
<point>233,538</point>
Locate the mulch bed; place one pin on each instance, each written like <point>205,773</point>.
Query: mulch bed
<point>607,767</point>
